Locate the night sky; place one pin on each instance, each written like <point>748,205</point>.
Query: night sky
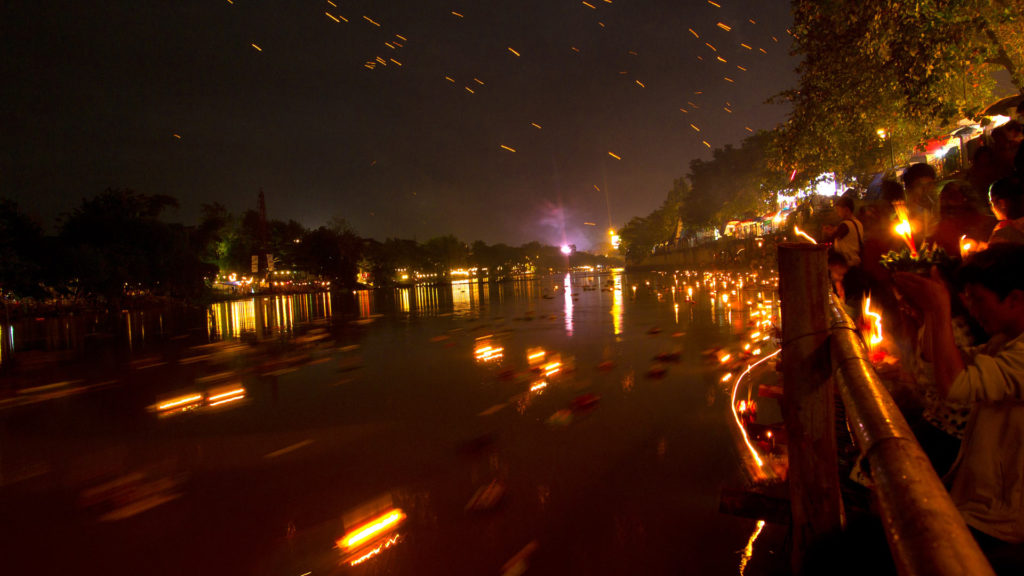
<point>214,101</point>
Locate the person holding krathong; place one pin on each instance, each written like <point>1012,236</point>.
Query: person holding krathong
<point>987,480</point>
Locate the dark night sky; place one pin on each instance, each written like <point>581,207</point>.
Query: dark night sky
<point>95,92</point>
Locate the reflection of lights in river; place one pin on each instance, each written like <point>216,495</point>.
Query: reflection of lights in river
<point>748,552</point>
<point>488,353</point>
<point>364,303</point>
<point>462,296</point>
<point>617,303</point>
<point>232,395</point>
<point>382,546</point>
<point>403,299</point>
<point>568,304</point>
<point>370,530</point>
<point>179,404</point>
<point>552,368</point>
<point>535,356</point>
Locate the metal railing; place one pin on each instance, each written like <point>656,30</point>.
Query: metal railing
<point>926,533</point>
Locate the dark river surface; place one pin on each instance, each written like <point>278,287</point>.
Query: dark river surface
<point>525,427</point>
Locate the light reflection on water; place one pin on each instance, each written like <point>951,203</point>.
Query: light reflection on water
<point>269,315</point>
<point>540,389</point>
<point>567,285</point>
<point>617,302</point>
<point>265,315</point>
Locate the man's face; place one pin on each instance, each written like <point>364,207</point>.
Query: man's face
<point>998,206</point>
<point>992,313</point>
<point>921,186</point>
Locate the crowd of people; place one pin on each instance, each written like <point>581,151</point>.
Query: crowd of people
<point>957,323</point>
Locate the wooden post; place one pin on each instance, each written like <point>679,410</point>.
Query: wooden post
<point>808,407</point>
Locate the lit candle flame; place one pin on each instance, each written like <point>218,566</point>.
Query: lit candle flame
<point>967,246</point>
<point>875,334</point>
<point>903,228</point>
<point>800,232</point>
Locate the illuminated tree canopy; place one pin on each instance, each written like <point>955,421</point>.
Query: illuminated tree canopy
<point>911,69</point>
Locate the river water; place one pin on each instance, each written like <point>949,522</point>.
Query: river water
<point>559,425</point>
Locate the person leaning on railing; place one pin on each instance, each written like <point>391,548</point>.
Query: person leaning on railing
<point>987,481</point>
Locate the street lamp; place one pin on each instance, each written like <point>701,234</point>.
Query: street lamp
<point>892,156</point>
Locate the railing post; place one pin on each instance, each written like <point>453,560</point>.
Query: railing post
<point>808,406</point>
<point>926,533</point>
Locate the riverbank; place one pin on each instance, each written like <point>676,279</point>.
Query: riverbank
<point>723,254</point>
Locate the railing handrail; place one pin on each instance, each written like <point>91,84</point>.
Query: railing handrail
<point>926,533</point>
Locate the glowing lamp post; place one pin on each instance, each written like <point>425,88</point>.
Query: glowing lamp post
<point>885,136</point>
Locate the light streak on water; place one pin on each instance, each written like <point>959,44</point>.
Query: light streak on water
<point>371,529</point>
<point>748,552</point>
<point>736,416</point>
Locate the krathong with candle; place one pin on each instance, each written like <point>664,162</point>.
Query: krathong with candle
<point>918,262</point>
